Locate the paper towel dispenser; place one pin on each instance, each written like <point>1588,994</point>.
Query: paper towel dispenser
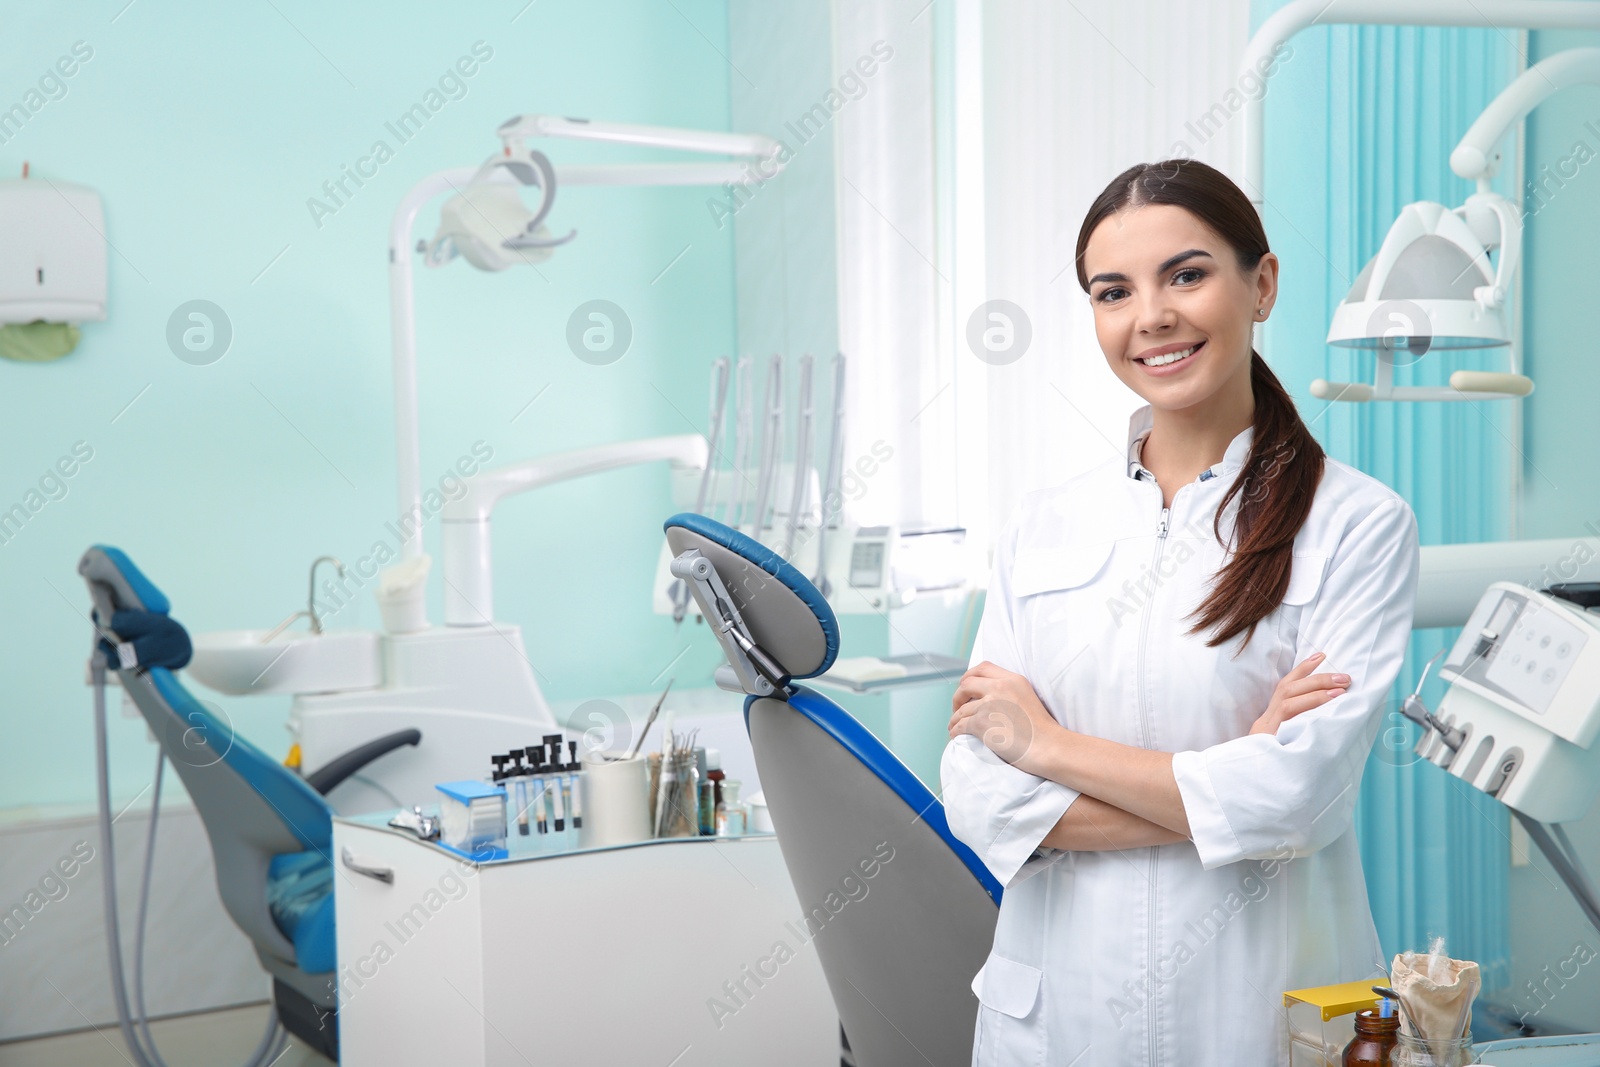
<point>52,252</point>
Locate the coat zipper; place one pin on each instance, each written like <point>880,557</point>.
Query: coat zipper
<point>1144,735</point>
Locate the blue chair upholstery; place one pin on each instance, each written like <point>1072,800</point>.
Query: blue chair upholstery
<point>901,913</point>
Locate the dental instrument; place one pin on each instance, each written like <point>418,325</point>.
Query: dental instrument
<point>861,568</point>
<point>743,432</point>
<point>800,479</point>
<point>633,750</point>
<point>772,422</point>
<point>708,478</point>
<point>832,497</point>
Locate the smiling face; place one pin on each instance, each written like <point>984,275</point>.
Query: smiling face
<point>1172,310</point>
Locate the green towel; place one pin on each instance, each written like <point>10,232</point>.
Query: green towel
<point>37,342</point>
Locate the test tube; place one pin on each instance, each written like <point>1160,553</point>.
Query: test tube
<point>535,757</point>
<point>575,806</point>
<point>519,782</point>
<point>558,812</point>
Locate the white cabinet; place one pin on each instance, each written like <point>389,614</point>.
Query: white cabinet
<point>679,951</point>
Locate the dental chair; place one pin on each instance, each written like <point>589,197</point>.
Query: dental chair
<point>898,946</point>
<point>270,829</point>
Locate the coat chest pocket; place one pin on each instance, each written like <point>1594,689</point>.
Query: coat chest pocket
<point>1059,569</point>
<point>1060,605</point>
<point>1305,578</point>
<point>1305,581</point>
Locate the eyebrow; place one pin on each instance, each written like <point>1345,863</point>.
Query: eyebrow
<point>1168,264</point>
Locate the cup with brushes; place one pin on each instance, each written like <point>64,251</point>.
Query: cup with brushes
<point>1433,994</point>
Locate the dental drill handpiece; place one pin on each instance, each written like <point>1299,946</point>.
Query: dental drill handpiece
<point>1415,710</point>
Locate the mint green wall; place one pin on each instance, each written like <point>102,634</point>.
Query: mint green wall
<point>206,128</point>
<point>1360,122</point>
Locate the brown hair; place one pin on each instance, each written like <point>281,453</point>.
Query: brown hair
<point>1279,480</point>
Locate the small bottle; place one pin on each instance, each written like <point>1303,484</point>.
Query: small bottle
<point>730,813</point>
<point>1375,1039</point>
<point>706,802</point>
<point>715,773</point>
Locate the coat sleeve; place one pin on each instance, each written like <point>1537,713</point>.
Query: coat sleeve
<point>998,811</point>
<point>1269,796</point>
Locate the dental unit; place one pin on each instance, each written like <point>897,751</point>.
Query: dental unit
<point>468,685</point>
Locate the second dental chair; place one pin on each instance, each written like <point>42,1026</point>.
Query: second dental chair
<point>901,913</point>
<point>270,830</point>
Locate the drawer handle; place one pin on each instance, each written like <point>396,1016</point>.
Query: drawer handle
<point>382,874</point>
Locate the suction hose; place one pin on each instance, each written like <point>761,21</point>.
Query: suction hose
<point>136,1029</point>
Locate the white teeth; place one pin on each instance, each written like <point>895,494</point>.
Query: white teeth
<point>1170,357</point>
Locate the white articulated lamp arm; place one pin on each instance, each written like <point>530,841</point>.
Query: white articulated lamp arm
<point>1261,53</point>
<point>468,562</point>
<point>754,156</point>
<point>710,142</point>
<point>1474,158</point>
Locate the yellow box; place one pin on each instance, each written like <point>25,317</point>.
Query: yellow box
<point>1322,1021</point>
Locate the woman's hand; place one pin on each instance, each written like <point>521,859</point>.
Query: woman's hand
<point>1300,691</point>
<point>1000,708</point>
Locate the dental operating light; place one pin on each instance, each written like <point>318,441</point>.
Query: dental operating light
<point>493,229</point>
<point>1431,286</point>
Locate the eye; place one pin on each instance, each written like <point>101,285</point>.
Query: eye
<point>1106,293</point>
<point>1195,271</point>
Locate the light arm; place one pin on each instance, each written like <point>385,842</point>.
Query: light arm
<point>468,563</point>
<point>709,142</point>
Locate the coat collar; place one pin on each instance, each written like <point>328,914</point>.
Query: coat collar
<point>1139,426</point>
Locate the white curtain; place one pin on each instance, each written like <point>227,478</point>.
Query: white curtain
<point>963,177</point>
<point>892,272</point>
<point>1074,94</point>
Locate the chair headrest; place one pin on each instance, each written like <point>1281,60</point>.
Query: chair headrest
<point>113,572</point>
<point>785,613</point>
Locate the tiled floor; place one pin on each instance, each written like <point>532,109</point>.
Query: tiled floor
<point>208,1040</point>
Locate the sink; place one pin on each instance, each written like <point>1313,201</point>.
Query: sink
<point>237,661</point>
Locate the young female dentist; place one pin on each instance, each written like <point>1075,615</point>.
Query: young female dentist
<point>1180,671</point>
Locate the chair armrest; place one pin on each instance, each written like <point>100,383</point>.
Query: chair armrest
<point>341,767</point>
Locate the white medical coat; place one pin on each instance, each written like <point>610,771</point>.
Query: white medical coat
<point>1179,954</point>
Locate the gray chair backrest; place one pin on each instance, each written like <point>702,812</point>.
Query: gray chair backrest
<point>898,948</point>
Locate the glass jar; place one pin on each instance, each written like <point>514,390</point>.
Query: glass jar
<point>730,813</point>
<point>1373,1045</point>
<point>1414,1052</point>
